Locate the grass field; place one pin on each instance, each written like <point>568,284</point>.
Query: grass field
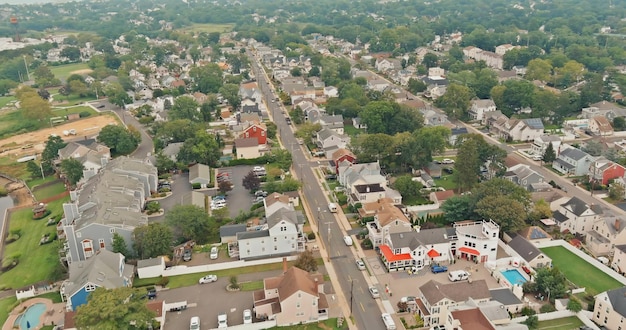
<point>324,325</point>
<point>36,262</point>
<point>352,131</point>
<point>12,122</point>
<point>64,71</point>
<point>77,109</point>
<point>39,181</point>
<point>208,28</point>
<point>49,191</point>
<point>4,100</point>
<point>580,272</point>
<point>566,323</point>
<point>446,182</point>
<point>10,167</point>
<point>6,305</point>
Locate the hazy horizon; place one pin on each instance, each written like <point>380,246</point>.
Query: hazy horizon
<point>30,2</point>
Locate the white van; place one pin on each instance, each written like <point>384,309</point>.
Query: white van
<point>458,275</point>
<point>347,240</point>
<point>194,324</point>
<point>389,324</point>
<point>332,207</point>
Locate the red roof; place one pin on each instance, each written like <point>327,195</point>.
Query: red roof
<point>575,242</point>
<point>433,253</point>
<point>469,251</point>
<point>390,257</point>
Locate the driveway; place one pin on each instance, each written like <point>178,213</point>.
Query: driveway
<point>239,199</point>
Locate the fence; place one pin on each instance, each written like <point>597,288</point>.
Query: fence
<point>582,315</point>
<point>183,270</point>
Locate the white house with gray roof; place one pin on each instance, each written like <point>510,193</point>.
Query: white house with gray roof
<point>329,139</point>
<point>479,107</point>
<point>525,177</point>
<point>577,216</point>
<point>609,309</point>
<point>281,235</point>
<point>529,252</point>
<point>573,161</point>
<point>540,144</point>
<point>110,202</point>
<point>105,270</point>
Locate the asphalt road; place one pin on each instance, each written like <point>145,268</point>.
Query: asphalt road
<point>365,309</point>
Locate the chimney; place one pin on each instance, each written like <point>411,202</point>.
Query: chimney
<point>284,265</point>
<point>617,224</point>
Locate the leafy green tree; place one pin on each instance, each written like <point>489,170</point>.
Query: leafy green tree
<point>251,181</point>
<point>116,94</point>
<point>456,101</point>
<point>389,117</point>
<point>616,191</point>
<point>372,147</point>
<point>185,107</point>
<point>51,152</point>
<point>552,281</point>
<point>467,164</point>
<point>152,240</point>
<point>418,150</point>
<point>121,140</point>
<point>430,60</point>
<point>306,261</point>
<point>532,322</point>
<point>539,69</point>
<point>506,212</point>
<point>190,222</point>
<point>619,123</point>
<point>231,93</point>
<point>549,155</point>
<point>119,245</point>
<point>208,108</point>
<point>457,208</point>
<point>72,53</point>
<point>34,107</point>
<point>6,85</point>
<point>44,77</point>
<point>33,168</point>
<point>202,148</point>
<point>163,163</point>
<point>297,115</point>
<point>288,184</point>
<point>416,86</point>
<point>111,309</point>
<point>574,304</point>
<point>407,187</point>
<point>73,169</point>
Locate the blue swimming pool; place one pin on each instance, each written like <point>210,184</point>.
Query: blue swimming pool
<point>514,276</point>
<point>30,317</point>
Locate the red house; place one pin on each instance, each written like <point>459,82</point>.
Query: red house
<point>341,155</point>
<point>258,131</point>
<point>603,170</point>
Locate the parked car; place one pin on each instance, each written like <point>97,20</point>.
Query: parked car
<point>207,279</point>
<point>447,161</point>
<point>187,255</point>
<point>214,253</point>
<point>260,193</point>
<point>151,294</point>
<point>258,200</point>
<point>438,269</point>
<point>360,264</point>
<point>222,321</point>
<point>374,292</point>
<point>194,323</point>
<point>407,299</point>
<point>448,170</point>
<point>247,316</point>
<point>347,240</point>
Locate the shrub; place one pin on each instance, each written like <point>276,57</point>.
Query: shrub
<point>367,244</point>
<point>311,236</point>
<point>527,311</point>
<point>45,214</point>
<point>153,207</point>
<point>547,308</point>
<point>196,186</point>
<point>164,281</point>
<point>234,284</point>
<point>84,114</point>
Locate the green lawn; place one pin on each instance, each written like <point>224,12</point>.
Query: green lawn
<point>36,262</point>
<point>566,323</point>
<point>64,71</point>
<point>39,181</point>
<point>580,272</point>
<point>446,182</point>
<point>49,191</point>
<point>72,99</point>
<point>10,167</point>
<point>352,131</point>
<point>12,122</point>
<point>251,286</point>
<point>6,305</point>
<point>57,112</point>
<point>208,28</point>
<point>324,325</point>
<point>54,296</point>
<point>4,100</point>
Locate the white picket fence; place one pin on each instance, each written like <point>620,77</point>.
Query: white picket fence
<point>183,270</point>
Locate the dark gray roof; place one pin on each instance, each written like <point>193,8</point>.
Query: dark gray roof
<point>504,296</point>
<point>458,131</point>
<point>573,153</point>
<point>524,248</point>
<point>149,262</point>
<point>425,237</point>
<point>618,300</point>
<point>534,123</point>
<point>559,217</point>
<point>537,233</point>
<point>232,230</point>
<point>621,247</point>
<point>363,188</point>
<point>564,164</point>
<point>578,206</point>
<point>253,234</point>
<point>282,214</point>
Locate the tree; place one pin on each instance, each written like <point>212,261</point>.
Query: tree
<point>34,107</point>
<point>119,245</point>
<point>314,72</point>
<point>44,77</point>
<point>457,208</point>
<point>467,164</point>
<point>616,191</point>
<point>574,304</point>
<point>430,60</point>
<point>73,169</point>
<point>202,148</point>
<point>408,188</point>
<point>306,261</point>
<point>72,53</point>
<point>541,210</point>
<point>208,108</point>
<point>619,123</point>
<point>251,182</point>
<point>51,152</point>
<point>532,322</point>
<point>121,140</point>
<point>549,155</point>
<point>416,86</point>
<point>224,187</point>
<point>185,107</point>
<point>190,222</point>
<point>506,212</point>
<point>152,240</point>
<point>550,281</point>
<point>44,94</point>
<point>456,101</point>
<point>296,72</point>
<point>539,69</point>
<point>593,148</point>
<point>231,93</point>
<point>78,87</point>
<point>111,309</point>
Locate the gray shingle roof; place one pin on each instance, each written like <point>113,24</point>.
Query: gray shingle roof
<point>232,230</point>
<point>149,262</point>
<point>573,153</point>
<point>103,269</point>
<point>578,206</point>
<point>618,300</point>
<point>534,123</point>
<point>524,248</point>
<point>434,291</point>
<point>504,296</point>
<point>253,234</point>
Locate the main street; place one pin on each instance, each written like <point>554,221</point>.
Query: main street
<point>366,311</point>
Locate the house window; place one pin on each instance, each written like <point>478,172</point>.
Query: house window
<point>87,248</point>
<point>298,304</point>
<point>101,242</point>
<point>485,246</point>
<point>90,287</point>
<point>275,248</point>
<point>111,230</point>
<point>262,133</point>
<point>275,239</point>
<point>254,129</point>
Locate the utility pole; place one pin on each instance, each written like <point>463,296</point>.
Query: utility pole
<point>41,168</point>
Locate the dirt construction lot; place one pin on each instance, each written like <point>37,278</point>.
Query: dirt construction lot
<point>20,145</point>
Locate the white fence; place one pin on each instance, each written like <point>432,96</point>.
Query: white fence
<point>25,294</point>
<point>425,207</point>
<point>182,270</point>
<point>582,315</point>
<point>605,269</point>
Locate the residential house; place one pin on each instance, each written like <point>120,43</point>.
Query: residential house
<point>540,144</point>
<point>492,117</point>
<point>512,303</point>
<point>606,234</point>
<point>573,161</point>
<point>388,219</point>
<point>251,108</point>
<point>387,64</point>
<point>465,317</point>
<point>200,174</point>
<point>491,59</point>
<point>603,171</point>
<point>228,233</point>
<point>479,107</point>
<point>250,90</point>
<point>535,234</point>
<point>105,269</point>
<point>523,176</point>
<point>619,259</point>
<point>609,309</point>
<point>502,49</point>
<point>171,150</point>
<point>295,297</point>
<point>455,133</point>
<point>531,255</point>
<point>439,197</point>
<point>328,139</point>
<point>577,216</point>
<point>257,131</point>
<point>518,129</point>
<point>364,183</point>
<point>378,85</point>
<point>247,148</point>
<point>342,155</point>
<point>248,119</point>
<point>281,235</point>
<point>600,126</point>
<point>603,108</point>
<point>153,267</point>
<point>110,202</point>
<point>274,202</point>
<point>90,153</point>
<point>436,72</point>
<point>331,91</point>
<point>434,118</point>
<point>435,91</point>
<point>435,298</point>
<point>358,123</point>
<point>333,122</point>
<point>520,70</point>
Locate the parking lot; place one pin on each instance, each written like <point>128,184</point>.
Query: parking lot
<point>238,199</point>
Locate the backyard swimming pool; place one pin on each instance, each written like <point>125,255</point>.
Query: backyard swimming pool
<point>30,317</point>
<point>514,276</point>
